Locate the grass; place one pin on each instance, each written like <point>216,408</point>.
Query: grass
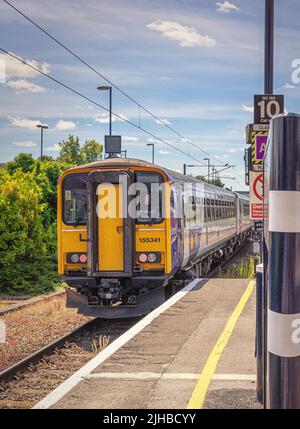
<point>103,342</point>
<point>243,269</point>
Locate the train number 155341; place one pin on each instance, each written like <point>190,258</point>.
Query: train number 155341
<point>149,240</point>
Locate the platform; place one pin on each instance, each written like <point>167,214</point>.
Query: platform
<point>195,351</point>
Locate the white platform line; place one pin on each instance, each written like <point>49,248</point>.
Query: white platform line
<point>235,377</point>
<point>72,381</point>
<point>166,376</point>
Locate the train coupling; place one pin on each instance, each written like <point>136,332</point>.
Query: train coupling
<point>109,289</point>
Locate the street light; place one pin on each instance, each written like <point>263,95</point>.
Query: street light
<point>42,127</point>
<point>208,166</point>
<point>108,88</point>
<point>152,144</point>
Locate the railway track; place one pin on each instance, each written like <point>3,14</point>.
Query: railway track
<point>28,381</point>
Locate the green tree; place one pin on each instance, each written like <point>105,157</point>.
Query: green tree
<point>70,151</point>
<point>91,151</point>
<point>216,182</point>
<point>27,237</point>
<point>21,220</point>
<point>47,174</point>
<point>23,161</point>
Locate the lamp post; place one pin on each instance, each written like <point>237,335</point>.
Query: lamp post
<point>269,46</point>
<point>152,144</point>
<point>108,88</point>
<point>208,167</point>
<point>42,127</point>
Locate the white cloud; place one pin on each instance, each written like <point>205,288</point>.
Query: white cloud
<point>151,140</point>
<point>16,69</point>
<point>288,86</point>
<point>103,118</point>
<point>54,148</point>
<point>25,144</point>
<point>23,123</point>
<point>246,108</point>
<point>62,125</point>
<point>25,86</point>
<point>163,121</point>
<point>236,149</point>
<point>164,152</point>
<point>129,139</point>
<point>186,36</point>
<point>226,7</point>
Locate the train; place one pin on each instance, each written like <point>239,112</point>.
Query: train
<point>130,231</point>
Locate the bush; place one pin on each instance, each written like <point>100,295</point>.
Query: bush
<point>28,204</point>
<point>27,235</point>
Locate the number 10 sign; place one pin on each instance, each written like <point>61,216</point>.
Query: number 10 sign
<point>267,106</point>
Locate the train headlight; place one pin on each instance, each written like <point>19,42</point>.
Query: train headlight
<point>83,258</point>
<point>143,258</point>
<point>75,258</point>
<point>149,258</point>
<point>152,258</point>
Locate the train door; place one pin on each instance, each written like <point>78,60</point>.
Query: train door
<point>110,229</point>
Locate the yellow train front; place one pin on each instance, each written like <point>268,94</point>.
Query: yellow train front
<point>129,231</point>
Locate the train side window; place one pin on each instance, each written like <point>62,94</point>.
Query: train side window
<point>198,211</point>
<point>208,210</point>
<point>153,213</point>
<point>212,210</point>
<point>193,206</point>
<point>75,199</point>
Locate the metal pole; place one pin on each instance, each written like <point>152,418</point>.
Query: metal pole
<point>110,110</point>
<point>153,154</point>
<point>282,237</point>
<point>42,135</point>
<point>268,89</point>
<point>184,169</point>
<point>269,46</point>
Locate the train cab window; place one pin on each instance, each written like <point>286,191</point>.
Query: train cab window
<point>74,200</point>
<point>151,212</point>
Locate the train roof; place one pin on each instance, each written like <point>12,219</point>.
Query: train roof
<point>171,174</point>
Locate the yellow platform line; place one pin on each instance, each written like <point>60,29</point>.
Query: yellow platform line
<point>198,396</point>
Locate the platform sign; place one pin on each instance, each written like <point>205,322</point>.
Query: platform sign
<point>259,145</point>
<point>256,195</point>
<point>267,106</point>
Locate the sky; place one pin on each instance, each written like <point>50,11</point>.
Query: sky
<point>196,64</point>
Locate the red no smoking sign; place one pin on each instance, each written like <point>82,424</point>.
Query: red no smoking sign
<point>256,195</point>
<point>258,187</point>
